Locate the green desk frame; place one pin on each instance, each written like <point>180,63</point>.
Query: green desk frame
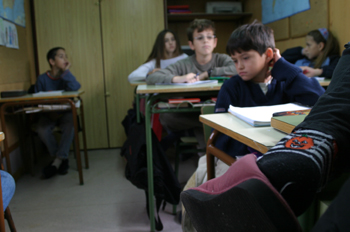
<point>151,100</point>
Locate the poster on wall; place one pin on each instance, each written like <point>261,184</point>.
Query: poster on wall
<point>2,33</point>
<point>273,10</point>
<point>11,37</point>
<point>13,11</point>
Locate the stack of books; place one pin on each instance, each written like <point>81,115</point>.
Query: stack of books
<point>261,115</point>
<point>179,9</point>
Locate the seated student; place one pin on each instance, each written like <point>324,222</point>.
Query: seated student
<point>58,78</point>
<point>252,49</point>
<point>8,187</point>
<point>319,57</point>
<point>288,176</point>
<point>199,66</point>
<point>166,50</point>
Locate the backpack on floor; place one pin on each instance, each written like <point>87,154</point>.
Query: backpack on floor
<point>166,185</point>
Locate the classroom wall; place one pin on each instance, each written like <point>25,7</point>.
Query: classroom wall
<point>332,14</point>
<point>17,72</point>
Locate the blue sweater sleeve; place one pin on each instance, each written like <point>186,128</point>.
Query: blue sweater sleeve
<point>298,87</point>
<point>70,83</point>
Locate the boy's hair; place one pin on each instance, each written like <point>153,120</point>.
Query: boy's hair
<point>254,36</point>
<point>158,50</point>
<point>331,46</point>
<point>200,25</point>
<point>52,53</point>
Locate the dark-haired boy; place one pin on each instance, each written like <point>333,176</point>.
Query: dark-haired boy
<point>58,78</point>
<point>286,177</point>
<point>199,66</point>
<point>252,49</point>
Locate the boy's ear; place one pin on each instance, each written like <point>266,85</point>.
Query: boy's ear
<point>52,62</point>
<point>190,43</point>
<point>269,54</point>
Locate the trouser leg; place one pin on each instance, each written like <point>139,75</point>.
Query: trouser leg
<point>67,127</point>
<point>44,130</point>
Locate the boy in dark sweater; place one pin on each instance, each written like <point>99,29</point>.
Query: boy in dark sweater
<point>252,49</point>
<point>290,174</point>
<point>58,78</point>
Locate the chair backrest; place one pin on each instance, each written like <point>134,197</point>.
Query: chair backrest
<point>207,129</point>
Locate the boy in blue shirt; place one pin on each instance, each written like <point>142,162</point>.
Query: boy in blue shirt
<point>58,78</point>
<point>252,49</point>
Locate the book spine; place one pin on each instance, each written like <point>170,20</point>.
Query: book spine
<point>192,100</point>
<point>178,7</point>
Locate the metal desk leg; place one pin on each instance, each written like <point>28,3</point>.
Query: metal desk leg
<point>149,163</point>
<point>137,102</point>
<point>86,158</point>
<point>76,141</point>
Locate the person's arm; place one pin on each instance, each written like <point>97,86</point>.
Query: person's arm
<point>227,96</point>
<point>329,69</point>
<point>142,71</point>
<point>39,85</point>
<point>293,54</point>
<point>167,74</point>
<point>224,66</point>
<point>298,87</point>
<point>70,83</point>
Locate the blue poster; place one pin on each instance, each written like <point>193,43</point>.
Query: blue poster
<point>13,11</point>
<point>273,10</point>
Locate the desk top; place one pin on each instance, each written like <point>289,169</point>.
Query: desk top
<point>258,138</point>
<point>143,89</point>
<point>28,97</point>
<point>136,83</point>
<point>325,82</point>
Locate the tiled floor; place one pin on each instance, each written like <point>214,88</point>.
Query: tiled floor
<point>106,202</point>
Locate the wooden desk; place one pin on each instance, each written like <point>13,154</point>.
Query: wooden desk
<point>258,138</point>
<point>137,83</point>
<point>325,82</point>
<point>2,216</point>
<point>152,93</point>
<point>28,99</point>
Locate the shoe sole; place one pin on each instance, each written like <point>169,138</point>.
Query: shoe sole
<point>248,207</point>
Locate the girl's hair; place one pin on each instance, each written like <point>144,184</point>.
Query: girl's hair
<point>158,51</point>
<point>331,46</point>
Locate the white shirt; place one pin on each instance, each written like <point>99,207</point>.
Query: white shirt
<point>141,72</point>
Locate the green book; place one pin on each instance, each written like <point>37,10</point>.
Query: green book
<point>286,123</point>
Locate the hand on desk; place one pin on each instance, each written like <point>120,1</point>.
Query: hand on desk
<point>188,78</point>
<point>311,72</point>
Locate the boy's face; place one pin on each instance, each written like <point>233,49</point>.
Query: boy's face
<point>204,42</point>
<point>250,65</point>
<point>60,61</point>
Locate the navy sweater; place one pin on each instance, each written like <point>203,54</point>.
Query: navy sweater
<point>288,85</point>
<point>65,82</point>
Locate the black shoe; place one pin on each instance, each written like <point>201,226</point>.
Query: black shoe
<point>63,168</point>
<point>49,171</point>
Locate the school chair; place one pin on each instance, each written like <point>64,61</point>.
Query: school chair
<point>7,213</point>
<point>58,131</point>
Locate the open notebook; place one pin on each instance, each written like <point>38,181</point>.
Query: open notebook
<point>261,115</point>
